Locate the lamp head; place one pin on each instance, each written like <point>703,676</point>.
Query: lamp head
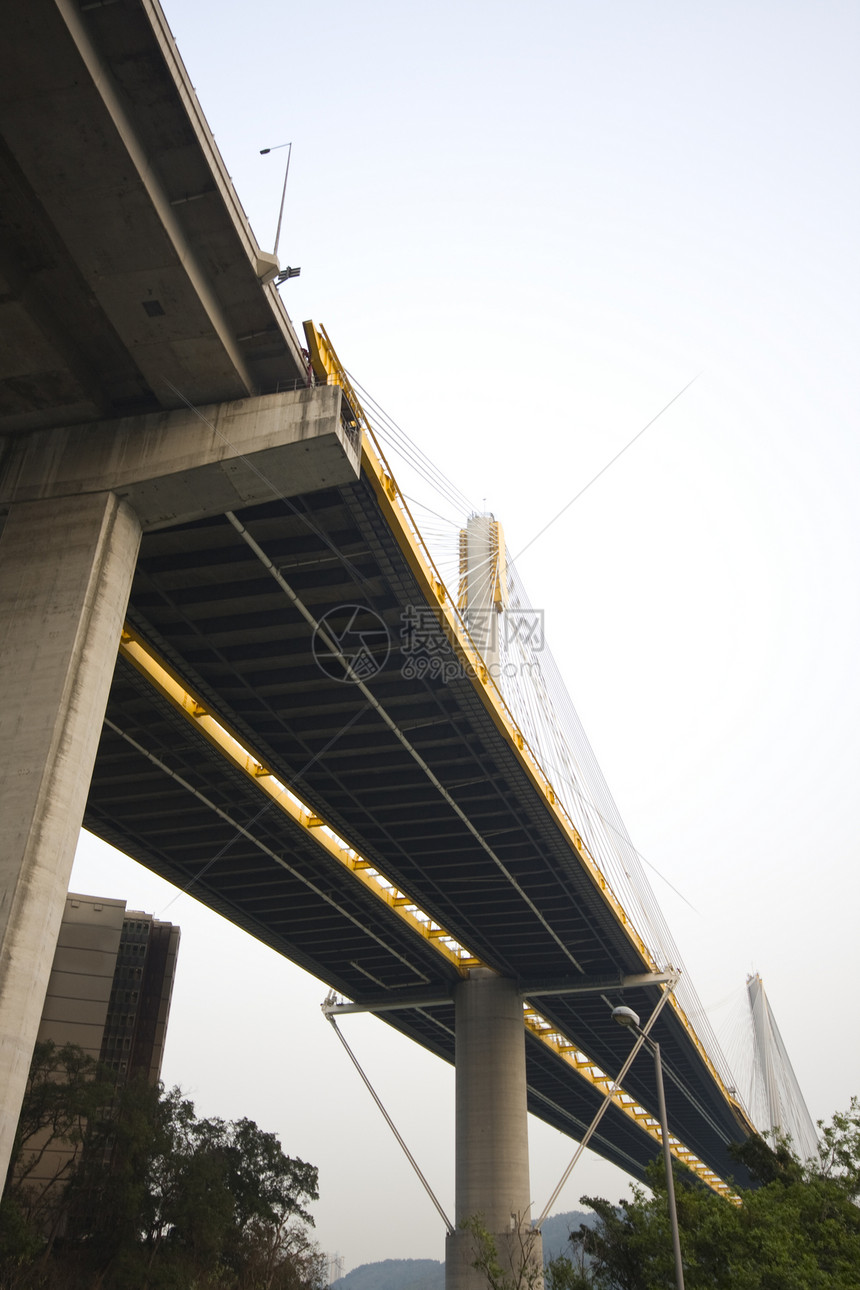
<point>626,1017</point>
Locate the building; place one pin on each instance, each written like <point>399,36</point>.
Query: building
<point>109,993</point>
<point>110,985</point>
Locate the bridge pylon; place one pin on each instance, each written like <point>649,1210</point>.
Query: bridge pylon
<point>492,1146</point>
<point>66,566</point>
<point>78,500</point>
<point>483,590</point>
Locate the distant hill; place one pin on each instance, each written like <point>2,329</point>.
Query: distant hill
<point>557,1229</point>
<point>429,1274</point>
<point>395,1274</point>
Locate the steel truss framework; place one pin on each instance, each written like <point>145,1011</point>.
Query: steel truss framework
<point>406,832</point>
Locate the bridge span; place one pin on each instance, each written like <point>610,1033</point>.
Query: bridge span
<point>208,584</point>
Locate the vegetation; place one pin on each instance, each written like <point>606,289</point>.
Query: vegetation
<point>517,1265</point>
<point>429,1274</point>
<point>799,1229</point>
<point>127,1189</point>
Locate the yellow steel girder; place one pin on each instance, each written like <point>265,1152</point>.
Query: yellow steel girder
<point>396,510</point>
<point>170,685</point>
<point>165,680</point>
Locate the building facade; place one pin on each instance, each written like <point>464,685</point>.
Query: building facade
<point>109,993</point>
<point>111,985</point>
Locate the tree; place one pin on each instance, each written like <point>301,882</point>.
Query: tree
<point>517,1266</point>
<point>562,1273</point>
<point>799,1229</point>
<point>225,1194</point>
<point>146,1194</point>
<point>64,1092</point>
<point>840,1150</point>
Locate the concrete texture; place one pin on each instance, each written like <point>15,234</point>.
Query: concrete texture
<point>65,573</point>
<point>174,467</point>
<point>130,274</point>
<point>78,499</point>
<point>492,1152</point>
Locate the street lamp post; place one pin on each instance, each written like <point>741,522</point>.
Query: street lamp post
<point>263,153</point>
<point>627,1017</point>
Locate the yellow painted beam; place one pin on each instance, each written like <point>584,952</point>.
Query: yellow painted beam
<point>551,1038</point>
<point>169,684</point>
<point>166,681</point>
<point>408,536</point>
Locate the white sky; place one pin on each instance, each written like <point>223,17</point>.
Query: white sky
<point>525,230</point>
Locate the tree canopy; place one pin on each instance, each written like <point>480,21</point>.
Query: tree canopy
<point>798,1229</point>
<point>127,1187</point>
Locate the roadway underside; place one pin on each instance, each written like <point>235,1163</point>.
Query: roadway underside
<point>160,792</point>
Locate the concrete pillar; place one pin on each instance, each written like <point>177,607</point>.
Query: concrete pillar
<point>65,574</point>
<point>492,1151</point>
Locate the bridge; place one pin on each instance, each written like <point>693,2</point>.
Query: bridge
<point>228,650</point>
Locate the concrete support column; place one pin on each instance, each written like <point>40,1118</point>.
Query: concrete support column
<point>492,1148</point>
<point>65,574</point>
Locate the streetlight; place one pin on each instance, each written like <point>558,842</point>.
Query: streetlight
<point>264,152</point>
<point>627,1017</point>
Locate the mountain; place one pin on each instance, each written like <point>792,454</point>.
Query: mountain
<point>557,1229</point>
<point>429,1274</point>
<point>395,1274</point>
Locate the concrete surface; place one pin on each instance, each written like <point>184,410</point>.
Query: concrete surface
<point>492,1145</point>
<point>174,467</point>
<point>65,573</point>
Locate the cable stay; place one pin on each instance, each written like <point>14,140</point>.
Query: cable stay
<point>777,1102</point>
<point>329,1000</point>
<point>604,1106</point>
<point>508,633</point>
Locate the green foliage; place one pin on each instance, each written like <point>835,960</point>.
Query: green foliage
<point>147,1196</point>
<point>517,1265</point>
<point>798,1230</point>
<point>840,1149</point>
<point>429,1274</point>
<point>561,1273</point>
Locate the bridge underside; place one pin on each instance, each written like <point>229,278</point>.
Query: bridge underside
<point>132,284</point>
<point>129,278</point>
<point>204,601</point>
